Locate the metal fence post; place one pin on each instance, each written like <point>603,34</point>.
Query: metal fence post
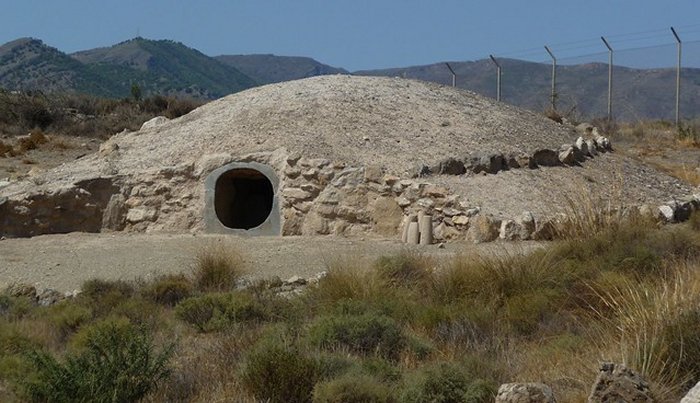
<point>454,75</point>
<point>554,78</point>
<point>610,77</point>
<point>678,79</point>
<point>498,78</point>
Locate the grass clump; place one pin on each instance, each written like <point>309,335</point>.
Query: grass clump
<point>403,270</point>
<point>352,388</point>
<point>366,334</point>
<point>217,268</point>
<point>117,364</point>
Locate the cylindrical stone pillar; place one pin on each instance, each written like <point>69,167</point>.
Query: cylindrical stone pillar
<point>413,234</point>
<point>407,220</point>
<point>425,226</point>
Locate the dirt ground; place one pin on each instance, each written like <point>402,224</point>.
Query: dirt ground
<point>64,262</point>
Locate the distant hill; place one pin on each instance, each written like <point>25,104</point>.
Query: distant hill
<point>29,64</point>
<point>162,67</point>
<point>267,69</point>
<point>171,68</point>
<point>637,93</point>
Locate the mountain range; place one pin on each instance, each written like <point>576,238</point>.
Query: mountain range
<point>171,68</point>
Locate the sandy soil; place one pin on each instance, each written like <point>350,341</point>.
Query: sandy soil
<point>64,262</point>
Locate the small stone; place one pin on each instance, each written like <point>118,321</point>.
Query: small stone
<point>403,202</point>
<point>450,212</point>
<point>155,122</point>
<point>592,151</point>
<point>295,280</point>
<point>667,213</point>
<point>525,393</point>
<point>140,214</point>
<point>390,179</point>
<point>473,211</point>
<point>567,156</point>
<point>460,220</point>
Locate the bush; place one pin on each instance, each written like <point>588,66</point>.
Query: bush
<point>104,295</point>
<point>403,270</point>
<point>169,290</point>
<point>446,382</point>
<point>277,372</point>
<point>363,334</point>
<point>117,365</point>
<point>352,389</point>
<point>98,289</point>
<point>67,316</point>
<point>217,268</point>
<point>217,311</point>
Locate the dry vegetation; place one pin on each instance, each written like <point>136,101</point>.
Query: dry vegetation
<point>82,115</point>
<point>406,328</point>
<point>673,150</point>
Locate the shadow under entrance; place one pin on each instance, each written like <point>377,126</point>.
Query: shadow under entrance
<point>243,198</point>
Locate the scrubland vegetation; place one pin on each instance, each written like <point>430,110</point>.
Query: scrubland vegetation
<point>405,329</point>
<point>78,115</point>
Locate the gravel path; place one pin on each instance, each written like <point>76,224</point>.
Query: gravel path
<point>64,262</point>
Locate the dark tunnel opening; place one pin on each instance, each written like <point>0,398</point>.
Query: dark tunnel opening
<point>243,198</point>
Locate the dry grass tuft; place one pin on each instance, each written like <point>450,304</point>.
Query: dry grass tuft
<point>217,267</point>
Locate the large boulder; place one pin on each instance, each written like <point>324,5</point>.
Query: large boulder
<point>485,162</point>
<point>483,228</point>
<point>546,158</point>
<point>617,383</point>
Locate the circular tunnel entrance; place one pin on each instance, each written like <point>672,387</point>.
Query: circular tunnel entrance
<point>243,198</point>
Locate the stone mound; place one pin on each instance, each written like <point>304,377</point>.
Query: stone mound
<point>328,155</point>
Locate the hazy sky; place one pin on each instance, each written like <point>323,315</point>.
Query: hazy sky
<point>358,34</point>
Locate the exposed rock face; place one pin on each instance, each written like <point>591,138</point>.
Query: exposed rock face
<point>78,207</point>
<point>617,383</point>
<point>525,393</point>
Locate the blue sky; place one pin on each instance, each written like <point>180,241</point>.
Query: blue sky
<point>359,34</point>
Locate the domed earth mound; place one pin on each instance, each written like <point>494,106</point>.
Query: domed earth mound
<point>330,155</point>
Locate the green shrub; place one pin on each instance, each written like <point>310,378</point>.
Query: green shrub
<point>365,334</point>
<point>15,308</point>
<point>217,311</point>
<point>403,270</point>
<point>169,290</point>
<point>67,316</point>
<point>116,365</point>
<point>217,268</point>
<point>278,372</point>
<point>352,389</point>
<point>97,288</point>
<point>446,382</point>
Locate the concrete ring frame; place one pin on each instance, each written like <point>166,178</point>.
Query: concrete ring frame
<point>215,224</point>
